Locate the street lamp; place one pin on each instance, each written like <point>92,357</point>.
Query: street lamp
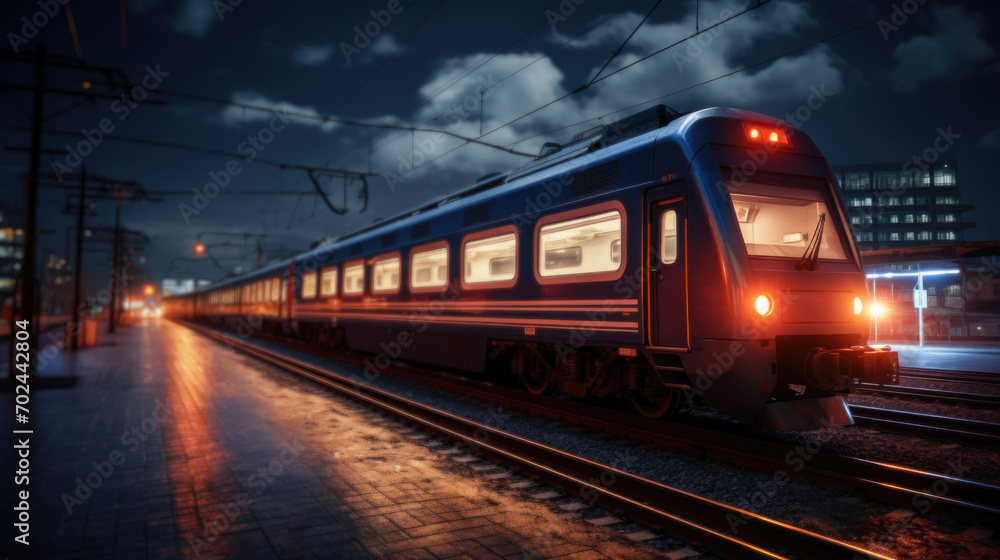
<point>877,310</point>
<point>199,248</point>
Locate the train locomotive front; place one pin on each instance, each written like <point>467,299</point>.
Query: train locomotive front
<point>777,324</point>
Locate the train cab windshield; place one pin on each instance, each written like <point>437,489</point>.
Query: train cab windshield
<point>779,215</point>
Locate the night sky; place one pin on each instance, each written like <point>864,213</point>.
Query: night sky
<point>886,91</point>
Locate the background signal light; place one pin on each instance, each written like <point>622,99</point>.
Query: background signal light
<point>858,306</point>
<point>764,305</point>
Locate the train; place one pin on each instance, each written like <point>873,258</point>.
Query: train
<point>663,259</point>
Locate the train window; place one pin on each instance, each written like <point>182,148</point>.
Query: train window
<point>354,278</point>
<point>778,216</point>
<point>490,258</point>
<point>309,285</point>
<point>385,274</point>
<point>668,237</point>
<point>275,289</point>
<point>581,242</point>
<point>284,288</point>
<point>328,282</point>
<point>429,268</point>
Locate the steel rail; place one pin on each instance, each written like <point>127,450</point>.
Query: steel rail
<point>699,519</point>
<point>975,400</point>
<point>967,500</point>
<point>951,376</point>
<point>971,432</point>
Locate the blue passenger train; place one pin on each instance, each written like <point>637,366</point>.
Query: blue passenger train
<point>661,258</point>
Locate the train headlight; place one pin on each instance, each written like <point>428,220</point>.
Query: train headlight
<point>858,306</point>
<point>764,305</point>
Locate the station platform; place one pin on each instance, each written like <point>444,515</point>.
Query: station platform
<point>170,445</point>
<point>956,357</point>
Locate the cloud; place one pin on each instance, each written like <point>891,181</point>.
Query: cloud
<point>991,140</point>
<point>237,116</point>
<point>778,87</point>
<point>195,17</point>
<point>312,55</point>
<point>385,44</point>
<point>380,47</point>
<point>949,54</point>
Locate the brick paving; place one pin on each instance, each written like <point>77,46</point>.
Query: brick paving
<point>174,446</point>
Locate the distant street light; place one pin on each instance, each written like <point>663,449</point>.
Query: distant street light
<point>199,248</point>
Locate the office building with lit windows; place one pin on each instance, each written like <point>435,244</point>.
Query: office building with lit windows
<point>11,252</point>
<point>903,204</point>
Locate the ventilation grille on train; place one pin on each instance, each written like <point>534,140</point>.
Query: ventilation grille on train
<point>389,239</point>
<point>595,179</point>
<point>355,249</point>
<point>420,230</point>
<point>477,214</point>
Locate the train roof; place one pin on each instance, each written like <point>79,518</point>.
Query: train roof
<point>605,142</point>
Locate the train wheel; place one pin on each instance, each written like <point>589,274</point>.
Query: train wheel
<point>537,383</point>
<point>664,403</point>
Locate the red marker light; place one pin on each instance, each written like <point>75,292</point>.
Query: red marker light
<point>767,136</point>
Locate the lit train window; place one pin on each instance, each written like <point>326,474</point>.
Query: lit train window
<point>668,237</point>
<point>583,245</point>
<point>429,269</point>
<point>275,289</point>
<point>284,288</point>
<point>309,285</point>
<point>328,282</point>
<point>616,251</point>
<point>778,215</point>
<point>490,260</point>
<point>354,278</point>
<point>385,275</point>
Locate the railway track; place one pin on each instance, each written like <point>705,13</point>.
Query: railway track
<point>970,432</point>
<point>947,376</point>
<point>683,515</point>
<point>974,400</point>
<point>966,500</point>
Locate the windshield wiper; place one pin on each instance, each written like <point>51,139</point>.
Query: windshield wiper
<point>808,260</point>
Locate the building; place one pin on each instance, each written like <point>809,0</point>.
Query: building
<point>180,286</point>
<point>11,252</point>
<point>962,283</point>
<point>904,204</point>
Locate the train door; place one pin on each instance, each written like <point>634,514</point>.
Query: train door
<point>667,266</point>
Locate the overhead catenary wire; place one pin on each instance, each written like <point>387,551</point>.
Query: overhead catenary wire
<point>522,68</point>
<point>338,120</point>
<point>686,88</point>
